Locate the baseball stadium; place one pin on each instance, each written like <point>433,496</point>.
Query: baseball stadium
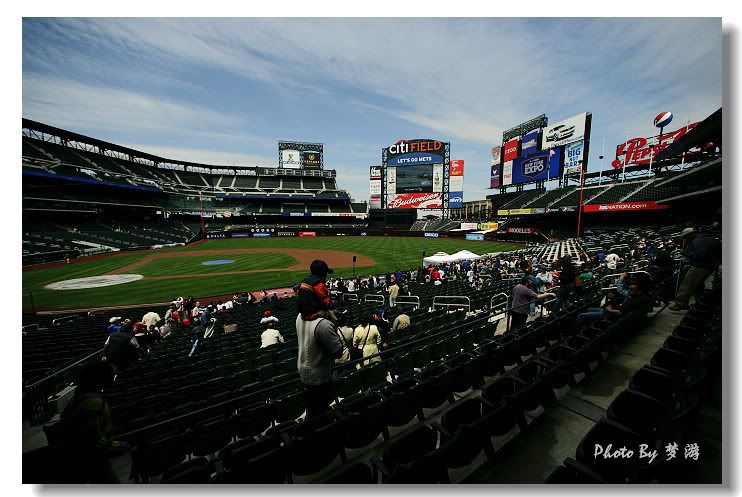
<point>566,328</point>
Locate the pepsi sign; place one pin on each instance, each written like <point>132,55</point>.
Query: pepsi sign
<point>663,119</point>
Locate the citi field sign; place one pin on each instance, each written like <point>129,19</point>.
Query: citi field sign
<point>409,152</point>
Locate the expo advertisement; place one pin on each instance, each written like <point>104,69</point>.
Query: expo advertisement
<point>529,143</point>
<point>538,167</point>
<point>456,200</point>
<point>640,151</point>
<point>511,150</point>
<point>410,152</point>
<point>415,201</point>
<point>567,131</point>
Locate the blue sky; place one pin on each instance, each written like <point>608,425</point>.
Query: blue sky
<point>224,91</point>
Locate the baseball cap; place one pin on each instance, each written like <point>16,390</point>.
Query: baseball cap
<point>320,267</point>
<point>267,313</point>
<point>687,231</point>
<point>114,319</point>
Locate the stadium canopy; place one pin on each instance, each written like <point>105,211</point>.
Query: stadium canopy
<point>443,257</point>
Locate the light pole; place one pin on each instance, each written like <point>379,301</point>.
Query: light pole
<point>579,208</point>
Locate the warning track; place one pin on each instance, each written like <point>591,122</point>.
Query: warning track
<point>304,257</point>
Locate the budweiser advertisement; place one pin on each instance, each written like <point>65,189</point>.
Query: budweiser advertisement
<point>625,206</point>
<point>416,201</point>
<point>641,151</point>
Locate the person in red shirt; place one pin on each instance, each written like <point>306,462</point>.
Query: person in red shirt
<point>313,296</point>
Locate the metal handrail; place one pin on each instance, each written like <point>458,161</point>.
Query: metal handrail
<point>347,297</point>
<point>615,275</point>
<point>408,300</point>
<point>448,297</point>
<point>372,297</point>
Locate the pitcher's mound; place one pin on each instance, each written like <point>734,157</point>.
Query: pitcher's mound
<point>94,281</point>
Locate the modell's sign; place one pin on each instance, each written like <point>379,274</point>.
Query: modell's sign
<point>525,231</point>
<point>625,206</point>
<point>416,201</point>
<point>640,151</point>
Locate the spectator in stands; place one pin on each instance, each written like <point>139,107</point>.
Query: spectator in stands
<point>383,326</point>
<point>150,319</point>
<point>121,348</point>
<point>268,318</point>
<point>313,296</point>
<point>114,324</point>
<point>319,346</point>
<point>567,275</point>
<point>170,311</point>
<point>208,321</point>
<point>229,325</point>
<point>393,293</point>
<point>270,336</point>
<point>345,333</point>
<point>545,277</point>
<point>263,295</point>
<point>367,338</point>
<point>637,297</point>
<point>141,336</point>
<point>197,339</point>
<point>521,300</point>
<point>351,287</point>
<point>703,254</point>
<point>196,312</point>
<point>167,328</point>
<point>611,261</point>
<point>400,322</point>
<point>87,442</point>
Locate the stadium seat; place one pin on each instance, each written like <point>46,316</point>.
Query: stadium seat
<point>410,459</point>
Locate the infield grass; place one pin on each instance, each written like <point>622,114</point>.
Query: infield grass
<point>390,254</point>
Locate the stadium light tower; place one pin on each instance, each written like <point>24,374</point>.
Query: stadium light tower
<point>582,186</point>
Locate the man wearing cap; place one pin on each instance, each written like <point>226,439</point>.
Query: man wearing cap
<point>268,318</point>
<point>318,340</point>
<point>703,254</point>
<point>121,349</point>
<point>114,324</point>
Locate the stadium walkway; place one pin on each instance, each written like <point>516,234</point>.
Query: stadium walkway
<point>555,434</point>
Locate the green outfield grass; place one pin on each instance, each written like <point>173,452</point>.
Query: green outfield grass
<point>390,254</point>
<point>194,265</point>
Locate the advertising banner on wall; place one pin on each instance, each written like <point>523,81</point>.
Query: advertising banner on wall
<point>391,179</point>
<point>375,202</point>
<point>537,167</point>
<point>567,131</point>
<point>496,155</point>
<point>507,173</point>
<point>524,231</point>
<point>510,149</point>
<point>415,201</point>
<point>430,235</point>
<point>625,206</point>
<point>311,159</point>
<point>475,236</point>
<point>455,200</point>
<point>518,212</point>
<point>639,151</point>
<point>408,152</point>
<point>375,172</point>
<point>529,143</point>
<point>469,226</point>
<point>291,159</point>
<point>495,175</point>
<point>573,156</point>
<point>456,168</point>
<point>438,178</point>
<point>488,226</point>
<point>456,184</point>
<point>375,187</point>
<point>307,233</point>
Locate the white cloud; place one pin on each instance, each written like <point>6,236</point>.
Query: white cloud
<point>211,157</point>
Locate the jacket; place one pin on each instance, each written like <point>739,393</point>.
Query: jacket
<point>312,297</point>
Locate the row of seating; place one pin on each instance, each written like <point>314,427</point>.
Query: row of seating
<point>657,408</point>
